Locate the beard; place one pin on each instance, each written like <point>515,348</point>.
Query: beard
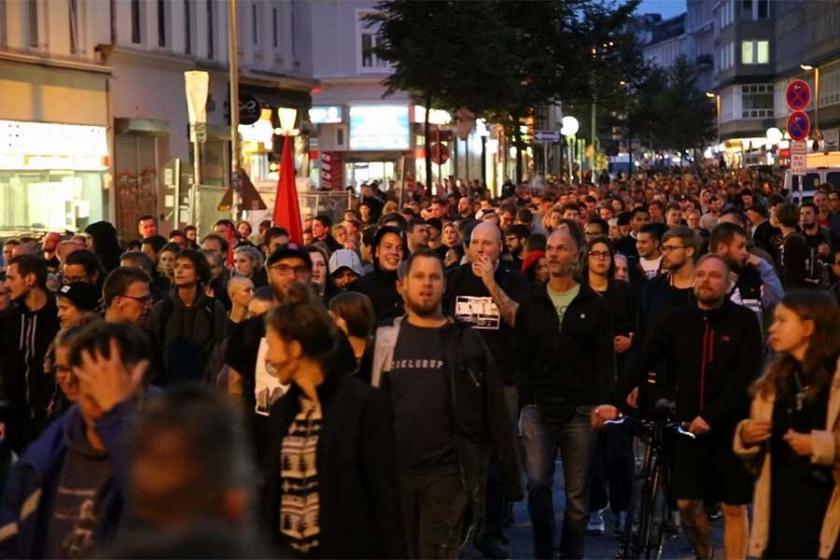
<point>423,309</point>
<point>709,299</point>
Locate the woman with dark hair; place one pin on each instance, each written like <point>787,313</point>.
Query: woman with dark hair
<point>187,325</point>
<point>353,314</point>
<point>612,476</point>
<point>320,269</point>
<point>792,437</point>
<point>329,456</point>
<point>103,237</point>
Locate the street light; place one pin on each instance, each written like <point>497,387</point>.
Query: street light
<point>816,134</point>
<point>774,135</point>
<point>197,83</point>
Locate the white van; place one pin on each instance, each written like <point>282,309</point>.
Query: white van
<point>822,168</point>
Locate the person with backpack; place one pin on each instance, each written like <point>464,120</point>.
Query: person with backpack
<point>796,261</point>
<point>187,325</point>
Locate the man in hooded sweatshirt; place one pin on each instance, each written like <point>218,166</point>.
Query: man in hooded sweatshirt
<point>28,329</point>
<point>380,285</point>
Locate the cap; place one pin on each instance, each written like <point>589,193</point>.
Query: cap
<point>531,258</point>
<point>84,296</point>
<point>288,253</point>
<point>484,212</point>
<point>345,258</point>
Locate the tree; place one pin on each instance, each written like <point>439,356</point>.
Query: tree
<point>498,58</point>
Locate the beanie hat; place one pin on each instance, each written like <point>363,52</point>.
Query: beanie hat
<point>84,296</point>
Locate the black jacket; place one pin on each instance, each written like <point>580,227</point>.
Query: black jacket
<point>26,336</point>
<point>563,368</point>
<point>381,288</point>
<point>712,358</point>
<point>358,483</point>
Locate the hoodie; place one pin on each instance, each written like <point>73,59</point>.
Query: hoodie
<point>28,388</point>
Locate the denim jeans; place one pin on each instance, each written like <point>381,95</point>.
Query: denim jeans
<point>541,440</point>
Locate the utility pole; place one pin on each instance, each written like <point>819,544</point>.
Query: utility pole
<point>233,63</point>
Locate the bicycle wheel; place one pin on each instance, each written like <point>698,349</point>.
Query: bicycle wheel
<point>658,515</point>
<point>636,525</point>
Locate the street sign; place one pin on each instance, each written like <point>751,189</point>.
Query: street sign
<point>798,95</point>
<point>798,126</point>
<point>548,136</point>
<point>249,109</point>
<point>798,157</point>
<point>440,153</point>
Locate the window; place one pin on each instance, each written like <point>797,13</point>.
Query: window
<point>135,22</point>
<point>187,27</point>
<point>726,12</point>
<point>33,24</point>
<point>211,31</point>
<point>726,57</point>
<point>161,22</point>
<point>255,25</point>
<point>73,9</point>
<point>275,28</point>
<point>756,101</point>
<point>3,37</point>
<point>755,52</point>
<point>755,9</point>
<point>367,59</point>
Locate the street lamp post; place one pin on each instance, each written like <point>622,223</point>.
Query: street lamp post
<point>569,127</point>
<point>233,56</point>
<point>816,134</point>
<point>197,84</point>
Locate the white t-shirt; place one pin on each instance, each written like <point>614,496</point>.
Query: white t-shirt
<point>650,267</point>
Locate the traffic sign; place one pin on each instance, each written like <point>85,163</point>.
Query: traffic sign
<point>798,157</point>
<point>798,125</point>
<point>440,153</point>
<point>548,136</point>
<point>798,95</point>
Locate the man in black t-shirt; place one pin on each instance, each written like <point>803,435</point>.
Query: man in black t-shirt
<point>443,384</point>
<point>484,294</point>
<point>248,376</point>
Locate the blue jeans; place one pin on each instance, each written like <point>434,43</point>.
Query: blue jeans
<point>541,440</point>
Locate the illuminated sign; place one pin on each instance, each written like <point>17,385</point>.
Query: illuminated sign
<point>379,127</point>
<point>34,145</point>
<point>326,114</point>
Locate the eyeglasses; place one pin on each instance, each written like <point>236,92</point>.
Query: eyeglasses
<point>142,300</point>
<point>593,233</point>
<point>669,248</point>
<point>284,269</point>
<point>600,254</point>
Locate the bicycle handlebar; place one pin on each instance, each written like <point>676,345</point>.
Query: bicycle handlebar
<point>678,427</point>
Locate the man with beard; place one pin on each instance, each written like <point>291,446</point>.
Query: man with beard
<point>449,410</point>
<point>515,238</point>
<point>248,376</point>
<point>714,350</point>
<point>563,340</point>
<point>754,283</point>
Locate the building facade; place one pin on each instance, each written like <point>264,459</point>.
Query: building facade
<point>96,105</point>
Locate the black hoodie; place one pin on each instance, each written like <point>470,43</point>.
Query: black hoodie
<point>27,387</point>
<point>105,244</point>
<point>381,287</point>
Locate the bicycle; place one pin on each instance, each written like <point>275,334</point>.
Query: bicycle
<point>648,512</point>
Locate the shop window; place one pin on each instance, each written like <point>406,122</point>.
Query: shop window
<point>756,101</point>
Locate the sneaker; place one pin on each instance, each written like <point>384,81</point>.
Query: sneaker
<point>596,525</point>
<point>492,546</point>
<point>620,521</point>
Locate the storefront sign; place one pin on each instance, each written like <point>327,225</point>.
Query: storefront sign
<point>798,157</point>
<point>379,127</point>
<point>34,145</point>
<point>326,114</point>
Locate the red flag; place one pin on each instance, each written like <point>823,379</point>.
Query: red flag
<point>286,206</point>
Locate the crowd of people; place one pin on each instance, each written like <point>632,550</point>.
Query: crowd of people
<point>385,386</point>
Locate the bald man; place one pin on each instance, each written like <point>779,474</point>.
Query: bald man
<point>564,350</point>
<point>484,293</point>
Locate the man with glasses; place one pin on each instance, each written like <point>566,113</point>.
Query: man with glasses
<point>128,298</point>
<point>249,378</point>
<point>81,266</point>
